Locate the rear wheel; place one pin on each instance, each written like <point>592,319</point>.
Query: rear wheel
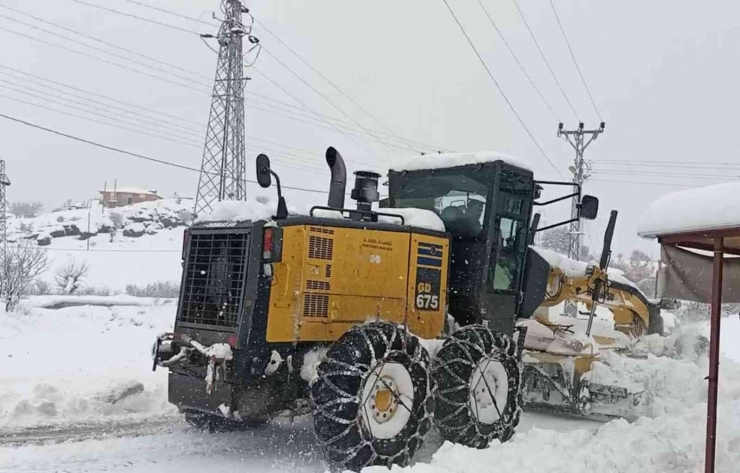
<point>372,398</point>
<point>478,387</point>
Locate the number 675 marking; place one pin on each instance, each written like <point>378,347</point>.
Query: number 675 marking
<point>427,301</point>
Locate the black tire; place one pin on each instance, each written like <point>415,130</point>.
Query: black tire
<point>344,434</point>
<point>212,423</point>
<point>452,373</point>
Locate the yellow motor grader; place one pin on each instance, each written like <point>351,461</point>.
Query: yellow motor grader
<point>380,323</point>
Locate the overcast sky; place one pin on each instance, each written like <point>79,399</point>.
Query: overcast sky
<point>663,75</point>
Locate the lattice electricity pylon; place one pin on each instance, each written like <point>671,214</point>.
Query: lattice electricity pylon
<point>223,170</point>
<point>4,182</point>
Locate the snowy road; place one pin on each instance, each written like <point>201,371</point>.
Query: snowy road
<point>170,445</point>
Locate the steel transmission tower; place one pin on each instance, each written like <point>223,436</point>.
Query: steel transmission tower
<point>580,170</point>
<point>223,170</point>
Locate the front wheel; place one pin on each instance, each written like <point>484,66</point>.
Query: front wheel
<point>372,398</point>
<point>478,387</point>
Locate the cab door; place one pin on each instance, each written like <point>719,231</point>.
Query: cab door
<point>510,228</point>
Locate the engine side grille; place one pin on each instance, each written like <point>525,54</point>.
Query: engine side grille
<point>313,285</point>
<point>328,270</point>
<point>215,273</point>
<point>320,248</point>
<point>328,231</point>
<point>316,305</point>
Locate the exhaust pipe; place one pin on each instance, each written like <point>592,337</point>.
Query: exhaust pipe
<point>338,183</point>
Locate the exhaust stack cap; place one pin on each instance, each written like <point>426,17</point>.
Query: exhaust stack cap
<point>366,189</point>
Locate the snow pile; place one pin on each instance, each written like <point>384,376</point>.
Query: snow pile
<point>573,269</point>
<point>448,160</point>
<point>703,208</point>
<point>81,363</point>
<point>311,361</point>
<point>419,218</point>
<point>672,443</point>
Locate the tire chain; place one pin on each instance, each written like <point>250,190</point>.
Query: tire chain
<point>345,439</point>
<point>460,355</point>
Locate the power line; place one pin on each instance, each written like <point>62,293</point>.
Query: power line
<point>662,174</point>
<point>102,60</point>
<point>308,84</point>
<point>367,131</point>
<point>98,40</point>
<point>301,58</point>
<point>135,155</point>
<point>287,92</point>
<point>588,91</point>
<point>84,91</point>
<point>516,59</point>
<point>490,74</point>
<point>675,164</point>
<point>544,58</point>
<point>644,182</point>
<point>130,15</point>
<point>83,117</point>
<point>170,12</point>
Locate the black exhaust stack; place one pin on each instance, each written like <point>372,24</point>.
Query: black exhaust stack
<point>338,184</point>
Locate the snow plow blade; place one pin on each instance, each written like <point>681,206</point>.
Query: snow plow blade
<point>556,383</point>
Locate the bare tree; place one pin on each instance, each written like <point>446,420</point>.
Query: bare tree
<point>24,262</point>
<point>25,209</point>
<point>69,277</point>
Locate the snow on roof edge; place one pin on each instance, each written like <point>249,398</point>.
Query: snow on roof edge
<point>715,207</point>
<point>448,160</point>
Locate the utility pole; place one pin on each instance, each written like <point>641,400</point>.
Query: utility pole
<point>4,182</point>
<point>223,170</point>
<point>580,169</point>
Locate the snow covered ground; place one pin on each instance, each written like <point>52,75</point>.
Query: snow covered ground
<point>62,369</point>
<point>77,394</point>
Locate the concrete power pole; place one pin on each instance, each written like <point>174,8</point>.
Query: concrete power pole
<point>580,170</point>
<point>223,170</point>
<point>4,182</point>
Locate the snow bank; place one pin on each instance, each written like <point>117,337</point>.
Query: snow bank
<point>84,363</point>
<point>672,443</point>
<point>447,160</point>
<point>703,208</point>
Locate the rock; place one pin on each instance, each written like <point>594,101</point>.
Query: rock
<point>43,239</point>
<point>71,230</point>
<point>47,408</point>
<point>171,222</point>
<point>134,230</point>
<point>122,391</point>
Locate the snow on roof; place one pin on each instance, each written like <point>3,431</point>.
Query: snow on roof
<point>264,208</point>
<point>448,160</point>
<point>130,190</point>
<point>703,208</point>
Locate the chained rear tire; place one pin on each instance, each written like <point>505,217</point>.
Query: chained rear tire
<point>477,379</point>
<point>372,401</point>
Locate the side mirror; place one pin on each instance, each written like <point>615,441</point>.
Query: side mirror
<point>589,207</point>
<point>264,178</point>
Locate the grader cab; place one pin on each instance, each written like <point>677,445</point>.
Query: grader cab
<point>353,314</point>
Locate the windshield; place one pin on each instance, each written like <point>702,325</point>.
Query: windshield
<point>459,199</point>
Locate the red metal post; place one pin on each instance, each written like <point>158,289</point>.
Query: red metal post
<point>714,355</point>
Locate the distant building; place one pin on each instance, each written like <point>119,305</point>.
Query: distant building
<point>127,196</point>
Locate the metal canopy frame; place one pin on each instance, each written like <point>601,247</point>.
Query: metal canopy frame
<point>718,241</point>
